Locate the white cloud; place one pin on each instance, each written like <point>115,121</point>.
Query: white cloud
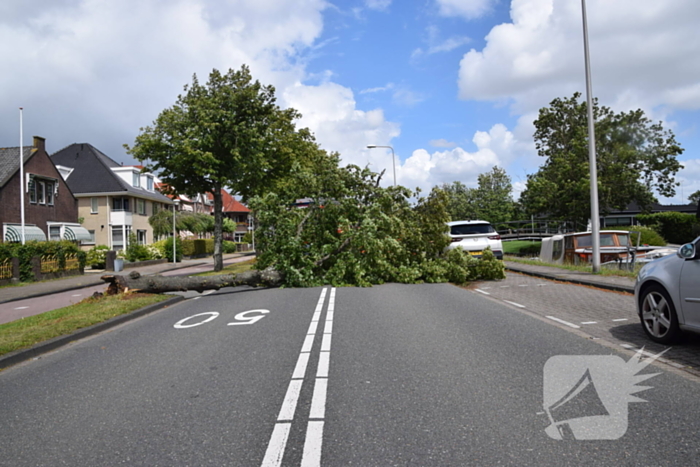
<point>442,143</point>
<point>330,111</point>
<point>388,87</point>
<point>425,170</point>
<point>640,55</point>
<point>96,72</point>
<point>469,9</point>
<point>379,5</point>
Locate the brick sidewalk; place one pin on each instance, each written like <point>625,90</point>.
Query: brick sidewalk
<point>617,283</point>
<point>91,278</point>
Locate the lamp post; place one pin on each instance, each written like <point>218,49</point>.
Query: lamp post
<point>393,158</point>
<point>595,219</point>
<point>176,202</point>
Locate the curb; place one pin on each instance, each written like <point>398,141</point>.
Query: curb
<point>23,355</point>
<point>600,285</point>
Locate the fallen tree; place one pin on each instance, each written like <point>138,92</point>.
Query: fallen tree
<point>135,282</point>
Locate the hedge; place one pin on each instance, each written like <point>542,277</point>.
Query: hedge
<point>26,252</point>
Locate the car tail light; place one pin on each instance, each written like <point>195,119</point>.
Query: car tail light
<point>495,237</point>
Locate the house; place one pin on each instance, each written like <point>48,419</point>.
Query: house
<point>234,210</point>
<point>50,207</point>
<point>114,200</point>
<point>629,215</point>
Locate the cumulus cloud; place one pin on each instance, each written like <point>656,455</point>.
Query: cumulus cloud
<point>423,169</point>
<point>96,72</point>
<point>639,55</point>
<point>330,111</point>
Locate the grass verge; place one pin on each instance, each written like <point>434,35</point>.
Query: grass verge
<point>26,332</point>
<point>604,271</point>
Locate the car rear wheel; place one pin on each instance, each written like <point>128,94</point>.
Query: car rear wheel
<point>658,315</point>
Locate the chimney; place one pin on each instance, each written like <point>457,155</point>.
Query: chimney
<point>40,143</point>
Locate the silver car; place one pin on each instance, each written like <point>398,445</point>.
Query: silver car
<point>667,294</point>
<point>474,237</point>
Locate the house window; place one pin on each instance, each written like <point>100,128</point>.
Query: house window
<point>141,206</point>
<point>54,233</point>
<point>41,192</point>
<point>120,204</point>
<point>149,183</point>
<point>238,236</point>
<point>93,205</point>
<point>136,178</point>
<point>156,208</point>
<point>141,237</point>
<point>49,193</point>
<point>32,191</point>
<point>118,236</point>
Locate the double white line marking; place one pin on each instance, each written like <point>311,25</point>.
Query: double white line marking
<point>314,431</point>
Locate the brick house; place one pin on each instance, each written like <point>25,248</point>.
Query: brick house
<point>50,208</point>
<point>114,200</point>
<point>237,212</point>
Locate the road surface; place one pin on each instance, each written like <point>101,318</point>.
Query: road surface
<point>390,375</point>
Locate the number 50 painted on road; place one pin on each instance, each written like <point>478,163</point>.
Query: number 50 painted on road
<point>242,318</point>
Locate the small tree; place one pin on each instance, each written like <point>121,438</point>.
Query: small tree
<point>228,132</point>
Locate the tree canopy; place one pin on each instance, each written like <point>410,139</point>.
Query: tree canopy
<point>355,232</point>
<point>635,157</point>
<point>229,133</point>
<point>491,200</point>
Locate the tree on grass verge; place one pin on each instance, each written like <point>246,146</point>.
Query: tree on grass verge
<point>355,232</point>
<point>227,133</point>
<point>634,157</point>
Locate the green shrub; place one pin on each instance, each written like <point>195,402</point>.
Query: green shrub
<point>168,249</point>
<point>26,252</point>
<point>96,256</point>
<point>676,227</point>
<point>135,251</point>
<point>229,247</point>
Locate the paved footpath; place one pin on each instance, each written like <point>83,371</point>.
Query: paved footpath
<point>92,278</point>
<point>616,283</point>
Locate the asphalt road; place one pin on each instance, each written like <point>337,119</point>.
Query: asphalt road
<point>392,375</point>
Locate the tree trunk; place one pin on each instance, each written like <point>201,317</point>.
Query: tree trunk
<point>218,228</point>
<point>135,282</point>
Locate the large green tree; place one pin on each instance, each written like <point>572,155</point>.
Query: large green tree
<point>494,196</point>
<point>492,200</point>
<point>229,133</point>
<point>635,157</point>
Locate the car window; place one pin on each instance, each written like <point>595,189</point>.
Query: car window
<point>471,229</point>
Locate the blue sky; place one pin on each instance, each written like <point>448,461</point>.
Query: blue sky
<point>452,85</point>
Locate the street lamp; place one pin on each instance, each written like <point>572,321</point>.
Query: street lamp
<point>595,219</point>
<point>176,202</point>
<point>393,157</point>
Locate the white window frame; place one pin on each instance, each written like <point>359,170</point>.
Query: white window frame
<point>136,179</point>
<point>49,193</point>
<point>94,205</point>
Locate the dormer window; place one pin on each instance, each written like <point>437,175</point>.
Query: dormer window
<point>136,179</point>
<point>149,183</point>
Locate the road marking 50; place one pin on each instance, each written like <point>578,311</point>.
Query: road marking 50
<point>241,319</point>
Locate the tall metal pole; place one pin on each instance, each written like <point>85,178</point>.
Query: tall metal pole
<point>174,239</point>
<point>393,157</point>
<point>595,218</point>
<point>21,174</point>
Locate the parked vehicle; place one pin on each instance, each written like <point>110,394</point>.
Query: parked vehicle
<point>667,294</point>
<point>474,237</point>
